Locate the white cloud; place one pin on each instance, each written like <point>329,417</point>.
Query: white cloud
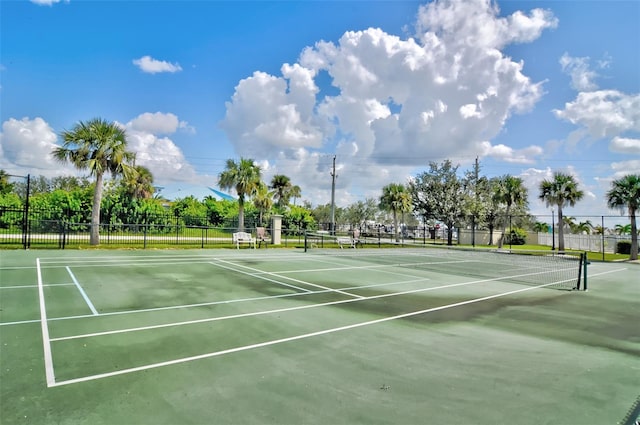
<point>153,66</point>
<point>578,69</point>
<point>394,103</point>
<point>623,168</point>
<point>507,154</point>
<point>47,2</point>
<point>160,154</point>
<point>159,123</point>
<point>533,177</point>
<point>26,144</point>
<point>604,113</point>
<point>625,145</point>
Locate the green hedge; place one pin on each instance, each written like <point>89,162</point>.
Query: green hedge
<point>623,247</point>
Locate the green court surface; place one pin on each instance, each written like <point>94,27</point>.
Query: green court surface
<point>286,337</point>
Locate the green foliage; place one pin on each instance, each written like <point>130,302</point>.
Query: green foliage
<point>243,176</point>
<point>299,218</point>
<point>190,211</point>
<point>623,247</point>
<point>438,194</point>
<point>10,214</point>
<point>516,236</point>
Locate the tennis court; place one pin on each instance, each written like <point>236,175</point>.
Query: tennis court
<point>397,336</point>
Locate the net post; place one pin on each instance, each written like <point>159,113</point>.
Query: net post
<point>584,272</point>
<point>580,262</point>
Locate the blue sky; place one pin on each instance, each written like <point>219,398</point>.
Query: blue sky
<point>528,87</point>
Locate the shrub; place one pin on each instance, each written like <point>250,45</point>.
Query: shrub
<point>516,236</point>
<point>623,247</point>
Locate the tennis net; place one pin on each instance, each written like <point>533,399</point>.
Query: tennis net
<point>551,269</point>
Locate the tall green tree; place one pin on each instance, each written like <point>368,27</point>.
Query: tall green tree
<point>625,192</point>
<point>281,186</point>
<point>243,176</point>
<point>510,192</point>
<point>358,213</point>
<point>295,192</point>
<point>139,184</point>
<point>438,194</point>
<point>396,199</point>
<point>262,201</point>
<point>561,192</point>
<point>99,147</point>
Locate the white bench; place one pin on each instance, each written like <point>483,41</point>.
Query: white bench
<point>345,240</point>
<point>243,237</point>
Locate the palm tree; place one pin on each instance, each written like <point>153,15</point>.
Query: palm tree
<point>395,198</point>
<point>295,193</point>
<point>570,222</point>
<point>281,185</point>
<point>540,227</point>
<point>584,227</point>
<point>510,192</point>
<point>262,200</point>
<point>245,178</point>
<point>622,229</point>
<point>99,147</point>
<point>626,192</point>
<point>562,191</point>
<point>139,184</point>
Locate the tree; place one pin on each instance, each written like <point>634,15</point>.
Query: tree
<point>395,198</point>
<point>562,191</point>
<point>281,185</point>
<point>438,194</point>
<point>358,213</point>
<point>570,222</point>
<point>262,201</point>
<point>6,186</point>
<point>295,193</point>
<point>139,184</point>
<point>243,176</point>
<point>625,192</point>
<point>584,227</point>
<point>99,147</point>
<point>540,227</point>
<point>511,193</point>
<point>622,229</point>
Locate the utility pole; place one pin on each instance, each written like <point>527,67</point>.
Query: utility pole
<point>333,197</point>
<point>475,193</point>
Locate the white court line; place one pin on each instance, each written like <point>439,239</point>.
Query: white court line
<point>287,309</point>
<point>84,295</point>
<point>292,338</point>
<point>181,306</point>
<point>372,267</point>
<point>237,300</point>
<point>290,278</point>
<point>256,275</point>
<point>35,286</point>
<point>48,358</point>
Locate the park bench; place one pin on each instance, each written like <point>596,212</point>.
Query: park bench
<point>346,241</point>
<point>243,237</point>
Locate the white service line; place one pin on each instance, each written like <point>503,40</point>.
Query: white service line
<point>293,338</point>
<point>46,344</point>
<point>84,294</point>
<point>35,286</point>
<point>254,275</point>
<point>282,310</point>
<point>286,277</point>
